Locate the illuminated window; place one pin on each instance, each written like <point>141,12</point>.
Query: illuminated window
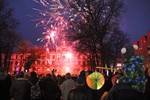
<point>38,62</point>
<point>16,56</point>
<point>83,63</point>
<point>43,62</point>
<point>58,56</point>
<point>53,62</point>
<point>79,62</point>
<point>11,63</point>
<point>58,59</point>
<point>83,57</point>
<point>53,56</point>
<point>35,62</point>
<point>79,56</point>
<point>63,56</point>
<point>76,63</point>
<point>48,56</point>
<point>16,63</point>
<point>64,49</point>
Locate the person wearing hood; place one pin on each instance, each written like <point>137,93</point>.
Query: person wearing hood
<point>5,84</point>
<point>131,84</point>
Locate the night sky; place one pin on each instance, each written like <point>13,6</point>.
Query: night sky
<point>135,21</point>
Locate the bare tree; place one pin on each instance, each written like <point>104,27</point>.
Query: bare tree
<point>35,54</point>
<point>23,49</point>
<point>8,34</point>
<point>113,44</point>
<point>85,23</point>
<point>100,17</point>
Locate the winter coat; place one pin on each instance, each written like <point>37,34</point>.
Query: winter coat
<point>17,88</point>
<point>66,87</point>
<point>28,88</point>
<point>124,92</point>
<point>5,84</point>
<point>80,93</point>
<point>51,90</point>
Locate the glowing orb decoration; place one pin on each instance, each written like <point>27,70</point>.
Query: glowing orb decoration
<point>95,80</point>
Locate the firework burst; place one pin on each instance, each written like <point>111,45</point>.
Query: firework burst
<point>55,17</point>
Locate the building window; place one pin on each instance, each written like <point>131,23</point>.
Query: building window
<point>35,62</point>
<point>63,56</point>
<point>53,62</point>
<point>83,57</point>
<point>53,56</point>
<point>16,63</point>
<point>43,62</point>
<point>38,62</point>
<point>58,59</point>
<point>11,63</point>
<point>16,56</point>
<point>48,56</point>
<point>58,56</point>
<point>79,62</point>
<point>83,63</point>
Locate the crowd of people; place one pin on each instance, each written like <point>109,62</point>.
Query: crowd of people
<point>132,82</point>
<point>70,88</point>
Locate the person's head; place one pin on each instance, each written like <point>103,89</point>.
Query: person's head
<point>128,51</point>
<point>21,75</point>
<point>33,74</point>
<point>82,73</point>
<point>33,77</point>
<point>133,73</point>
<point>88,72</point>
<point>80,81</point>
<point>48,76</point>
<point>68,76</point>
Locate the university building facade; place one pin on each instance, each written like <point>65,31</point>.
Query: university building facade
<point>63,59</point>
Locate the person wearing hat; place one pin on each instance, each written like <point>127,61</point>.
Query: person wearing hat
<point>5,84</point>
<point>131,84</point>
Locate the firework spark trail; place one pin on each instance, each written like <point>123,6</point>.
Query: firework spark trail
<point>55,16</point>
